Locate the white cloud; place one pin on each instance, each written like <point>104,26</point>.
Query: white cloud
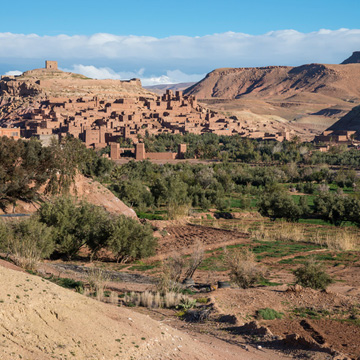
<point>171,76</point>
<point>94,72</point>
<point>13,72</point>
<point>108,55</point>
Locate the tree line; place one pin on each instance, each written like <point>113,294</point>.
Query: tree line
<point>236,148</point>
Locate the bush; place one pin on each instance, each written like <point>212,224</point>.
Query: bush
<point>279,205</point>
<point>75,225</point>
<point>312,275</point>
<point>269,314</point>
<point>244,270</point>
<point>28,241</point>
<point>4,236</point>
<point>128,239</point>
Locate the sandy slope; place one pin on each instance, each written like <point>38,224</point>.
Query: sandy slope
<point>39,320</point>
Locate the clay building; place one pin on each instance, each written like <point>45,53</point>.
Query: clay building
<point>100,121</point>
<point>336,136</point>
<point>51,65</point>
<point>10,132</point>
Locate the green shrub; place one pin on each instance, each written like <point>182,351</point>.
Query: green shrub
<point>28,241</point>
<point>278,204</point>
<point>269,314</point>
<point>128,239</point>
<point>75,225</point>
<point>312,275</point>
<point>70,284</point>
<point>186,304</point>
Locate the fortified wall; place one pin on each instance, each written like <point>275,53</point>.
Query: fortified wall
<point>140,154</point>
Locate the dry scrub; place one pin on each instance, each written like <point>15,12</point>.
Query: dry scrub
<point>176,268</point>
<point>149,299</point>
<point>176,211</point>
<point>98,279</point>
<point>244,270</point>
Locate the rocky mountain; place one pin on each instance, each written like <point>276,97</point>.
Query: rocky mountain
<point>353,59</point>
<point>338,81</point>
<point>161,88</point>
<point>312,96</point>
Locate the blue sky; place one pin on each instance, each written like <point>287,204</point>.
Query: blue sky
<point>169,41</point>
<point>164,18</point>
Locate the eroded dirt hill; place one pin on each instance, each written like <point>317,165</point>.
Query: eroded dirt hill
<point>351,121</point>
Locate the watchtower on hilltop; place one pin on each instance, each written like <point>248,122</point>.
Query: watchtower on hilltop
<point>51,65</point>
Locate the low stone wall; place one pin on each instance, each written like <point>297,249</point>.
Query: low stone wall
<point>160,156</point>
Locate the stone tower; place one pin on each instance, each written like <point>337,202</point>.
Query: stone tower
<point>140,151</point>
<point>51,65</point>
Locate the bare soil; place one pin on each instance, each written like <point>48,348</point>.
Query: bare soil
<point>316,324</point>
<point>40,320</point>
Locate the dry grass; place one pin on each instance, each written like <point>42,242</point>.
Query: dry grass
<point>98,279</point>
<point>282,231</point>
<point>260,233</point>
<point>176,212</point>
<point>333,239</point>
<point>339,240</point>
<point>26,258</point>
<point>289,232</point>
<point>155,299</point>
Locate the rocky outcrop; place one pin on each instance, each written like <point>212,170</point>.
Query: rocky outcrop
<point>349,122</point>
<point>353,59</point>
<point>97,194</point>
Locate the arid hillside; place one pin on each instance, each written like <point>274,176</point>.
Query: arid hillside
<point>161,88</point>
<point>84,189</point>
<point>40,320</point>
<point>338,81</point>
<point>350,121</point>
<point>312,96</point>
<point>58,83</point>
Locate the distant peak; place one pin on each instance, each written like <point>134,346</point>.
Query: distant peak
<point>353,59</point>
